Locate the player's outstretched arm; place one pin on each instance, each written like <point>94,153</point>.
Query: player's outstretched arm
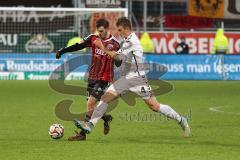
<point>75,47</point>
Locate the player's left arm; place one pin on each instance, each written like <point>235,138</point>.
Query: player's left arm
<point>75,47</point>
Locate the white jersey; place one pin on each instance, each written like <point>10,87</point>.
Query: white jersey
<point>133,74</point>
<point>132,53</point>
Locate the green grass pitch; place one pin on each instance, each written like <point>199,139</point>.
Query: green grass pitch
<point>27,111</point>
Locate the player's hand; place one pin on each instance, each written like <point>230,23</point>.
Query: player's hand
<point>111,53</point>
<point>99,44</point>
<point>58,55</point>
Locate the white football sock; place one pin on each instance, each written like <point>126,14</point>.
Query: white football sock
<point>98,112</point>
<point>169,112</point>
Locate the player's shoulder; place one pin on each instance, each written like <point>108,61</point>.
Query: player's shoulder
<point>90,36</point>
<point>111,38</point>
<point>115,39</point>
<point>132,37</point>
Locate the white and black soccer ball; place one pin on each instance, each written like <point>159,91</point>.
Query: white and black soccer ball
<point>56,131</point>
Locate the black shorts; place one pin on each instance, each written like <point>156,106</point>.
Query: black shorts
<point>96,88</point>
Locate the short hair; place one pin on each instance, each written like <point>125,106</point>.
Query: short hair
<point>102,23</point>
<point>124,22</point>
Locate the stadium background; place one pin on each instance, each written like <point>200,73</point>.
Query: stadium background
<point>205,86</point>
<point>45,32</point>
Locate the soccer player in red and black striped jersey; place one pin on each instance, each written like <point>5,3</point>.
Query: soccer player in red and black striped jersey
<point>101,70</point>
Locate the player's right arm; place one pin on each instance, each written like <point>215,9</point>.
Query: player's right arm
<point>126,49</point>
<point>115,55</point>
<point>78,46</point>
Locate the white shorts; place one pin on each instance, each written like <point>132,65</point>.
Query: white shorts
<point>136,84</point>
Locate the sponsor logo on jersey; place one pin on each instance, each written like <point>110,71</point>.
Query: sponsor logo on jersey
<point>99,52</point>
<point>110,46</point>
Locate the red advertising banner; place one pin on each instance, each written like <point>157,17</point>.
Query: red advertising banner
<point>199,42</point>
<point>188,22</point>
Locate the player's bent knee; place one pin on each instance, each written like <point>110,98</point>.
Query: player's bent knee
<point>152,104</point>
<point>109,96</point>
<point>153,107</point>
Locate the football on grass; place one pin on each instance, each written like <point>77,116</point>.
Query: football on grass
<point>56,131</point>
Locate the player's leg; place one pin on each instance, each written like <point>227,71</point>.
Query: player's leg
<point>101,108</point>
<point>169,112</point>
<point>99,89</point>
<point>166,110</point>
<point>143,89</point>
<point>95,90</point>
<point>111,93</point>
<point>91,99</point>
<point>91,103</point>
<point>98,112</point>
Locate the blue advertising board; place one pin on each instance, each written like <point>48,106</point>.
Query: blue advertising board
<point>231,67</point>
<point>187,67</point>
<point>168,67</point>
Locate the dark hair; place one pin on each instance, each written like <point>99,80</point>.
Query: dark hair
<point>102,22</point>
<point>124,22</point>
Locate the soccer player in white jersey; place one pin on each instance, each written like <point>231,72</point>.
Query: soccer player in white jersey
<point>133,79</point>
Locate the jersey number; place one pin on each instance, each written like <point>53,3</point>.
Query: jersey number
<point>143,90</point>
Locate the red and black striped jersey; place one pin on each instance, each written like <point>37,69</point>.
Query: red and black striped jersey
<point>102,65</point>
